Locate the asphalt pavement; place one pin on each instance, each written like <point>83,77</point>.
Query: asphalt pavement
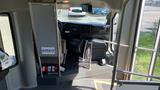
<point>87,19</point>
<point>150,16</point>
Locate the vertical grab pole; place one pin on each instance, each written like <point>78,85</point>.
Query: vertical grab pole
<point>118,46</point>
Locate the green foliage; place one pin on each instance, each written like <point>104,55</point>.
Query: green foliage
<point>147,40</point>
<point>143,57</point>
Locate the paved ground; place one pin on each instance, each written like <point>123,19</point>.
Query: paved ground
<point>89,18</point>
<point>150,16</point>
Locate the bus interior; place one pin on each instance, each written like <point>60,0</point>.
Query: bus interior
<point>79,44</point>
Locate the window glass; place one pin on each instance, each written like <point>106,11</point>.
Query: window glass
<point>156,71</point>
<point>76,10</point>
<point>7,42</point>
<point>6,35</point>
<point>147,39</point>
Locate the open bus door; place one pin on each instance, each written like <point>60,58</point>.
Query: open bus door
<point>126,82</point>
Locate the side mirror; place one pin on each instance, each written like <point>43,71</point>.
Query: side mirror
<point>6,61</point>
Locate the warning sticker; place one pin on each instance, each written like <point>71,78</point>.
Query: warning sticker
<point>48,51</point>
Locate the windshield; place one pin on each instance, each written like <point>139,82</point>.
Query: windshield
<point>77,10</point>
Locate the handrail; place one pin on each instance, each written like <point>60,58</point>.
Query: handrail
<point>152,83</point>
<point>146,49</point>
<point>138,74</point>
<point>118,45</point>
<point>125,45</point>
<point>111,42</point>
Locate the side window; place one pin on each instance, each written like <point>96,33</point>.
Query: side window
<point>7,41</point>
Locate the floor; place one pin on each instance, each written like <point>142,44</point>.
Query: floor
<point>96,78</point>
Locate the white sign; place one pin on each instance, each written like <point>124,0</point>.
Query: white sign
<point>48,51</point>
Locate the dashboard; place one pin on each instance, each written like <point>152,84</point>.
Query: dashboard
<point>78,30</point>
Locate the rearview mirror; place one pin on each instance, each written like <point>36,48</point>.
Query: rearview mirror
<point>6,61</point>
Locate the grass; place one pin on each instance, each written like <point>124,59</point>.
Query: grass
<point>157,67</point>
<point>143,57</point>
<point>146,40</point>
